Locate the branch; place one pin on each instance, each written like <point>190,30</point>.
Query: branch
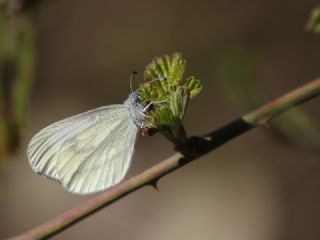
<point>196,147</point>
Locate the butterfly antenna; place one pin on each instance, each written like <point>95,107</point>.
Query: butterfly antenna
<point>156,79</point>
<point>131,77</point>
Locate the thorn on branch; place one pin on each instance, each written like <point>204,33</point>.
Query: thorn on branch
<point>154,184</point>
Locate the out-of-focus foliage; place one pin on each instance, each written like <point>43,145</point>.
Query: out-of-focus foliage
<point>238,73</point>
<point>16,70</point>
<point>313,24</point>
<point>164,83</point>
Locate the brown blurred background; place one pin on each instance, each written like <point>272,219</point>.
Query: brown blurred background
<point>255,187</point>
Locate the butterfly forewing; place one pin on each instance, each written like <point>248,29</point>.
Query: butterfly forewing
<point>88,152</point>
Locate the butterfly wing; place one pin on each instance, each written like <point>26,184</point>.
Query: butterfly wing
<point>88,152</point>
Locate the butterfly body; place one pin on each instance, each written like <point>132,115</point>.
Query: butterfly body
<point>136,108</point>
<point>91,151</point>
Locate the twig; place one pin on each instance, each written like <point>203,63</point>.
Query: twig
<point>197,147</point>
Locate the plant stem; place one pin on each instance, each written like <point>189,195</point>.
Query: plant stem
<point>199,145</point>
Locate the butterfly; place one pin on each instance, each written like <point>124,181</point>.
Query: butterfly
<point>91,151</point>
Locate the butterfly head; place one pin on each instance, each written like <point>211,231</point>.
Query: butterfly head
<point>135,104</point>
<point>134,99</point>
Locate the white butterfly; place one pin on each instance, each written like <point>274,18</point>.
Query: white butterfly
<point>91,151</point>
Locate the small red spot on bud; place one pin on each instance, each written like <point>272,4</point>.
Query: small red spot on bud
<point>266,124</point>
<point>144,131</point>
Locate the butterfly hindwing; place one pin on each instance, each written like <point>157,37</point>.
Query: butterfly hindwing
<point>88,152</point>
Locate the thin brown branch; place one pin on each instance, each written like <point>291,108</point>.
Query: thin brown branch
<point>197,147</point>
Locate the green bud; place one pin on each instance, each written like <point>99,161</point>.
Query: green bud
<point>164,82</point>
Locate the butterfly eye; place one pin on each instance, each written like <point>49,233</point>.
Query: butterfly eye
<point>138,98</point>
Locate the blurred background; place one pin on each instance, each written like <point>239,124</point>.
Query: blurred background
<point>60,58</point>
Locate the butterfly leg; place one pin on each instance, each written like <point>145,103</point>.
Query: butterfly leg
<point>145,125</point>
<point>145,109</point>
